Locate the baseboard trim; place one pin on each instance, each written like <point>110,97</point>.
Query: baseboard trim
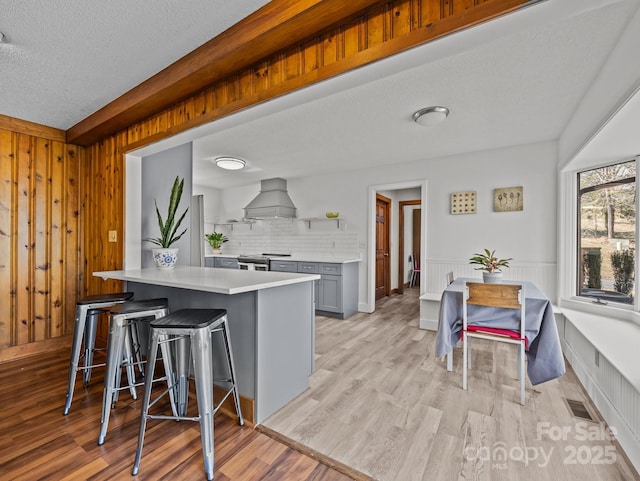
<point>16,353</point>
<point>313,454</point>
<point>247,405</point>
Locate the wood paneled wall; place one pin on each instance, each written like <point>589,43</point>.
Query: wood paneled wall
<point>41,229</point>
<point>58,201</point>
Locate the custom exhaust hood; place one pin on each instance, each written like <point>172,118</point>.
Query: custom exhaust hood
<point>272,201</point>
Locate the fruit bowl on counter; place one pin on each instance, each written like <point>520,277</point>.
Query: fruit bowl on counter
<point>332,215</point>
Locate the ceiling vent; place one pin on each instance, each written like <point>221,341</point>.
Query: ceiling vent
<point>272,201</point>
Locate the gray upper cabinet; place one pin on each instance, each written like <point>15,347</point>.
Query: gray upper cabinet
<point>337,290</point>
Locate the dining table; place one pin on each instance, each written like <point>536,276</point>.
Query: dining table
<point>545,360</point>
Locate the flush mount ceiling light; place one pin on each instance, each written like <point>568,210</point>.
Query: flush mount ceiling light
<point>230,163</point>
<point>430,116</point>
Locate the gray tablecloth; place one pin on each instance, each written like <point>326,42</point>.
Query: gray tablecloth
<point>545,359</point>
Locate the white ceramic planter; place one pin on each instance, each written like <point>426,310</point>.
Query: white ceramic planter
<point>165,258</point>
<point>491,277</point>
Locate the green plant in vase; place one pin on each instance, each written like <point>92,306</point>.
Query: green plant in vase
<point>215,240</point>
<point>165,256</point>
<point>490,264</point>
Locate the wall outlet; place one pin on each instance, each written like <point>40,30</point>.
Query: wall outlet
<point>113,236</point>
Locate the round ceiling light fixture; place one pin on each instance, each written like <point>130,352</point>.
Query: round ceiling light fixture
<point>430,116</point>
<point>230,163</point>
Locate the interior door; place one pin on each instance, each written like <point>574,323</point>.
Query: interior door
<point>415,241</point>
<point>383,207</point>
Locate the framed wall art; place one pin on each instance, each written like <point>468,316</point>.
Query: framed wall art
<point>463,202</point>
<point>508,199</point>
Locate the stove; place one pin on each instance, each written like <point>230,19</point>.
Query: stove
<point>257,262</point>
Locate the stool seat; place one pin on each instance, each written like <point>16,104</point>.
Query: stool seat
<point>140,306</point>
<point>190,318</point>
<point>107,298</point>
<point>84,336</point>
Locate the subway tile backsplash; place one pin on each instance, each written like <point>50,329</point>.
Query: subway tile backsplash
<point>288,236</point>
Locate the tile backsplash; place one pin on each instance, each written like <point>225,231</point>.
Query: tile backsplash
<point>288,236</point>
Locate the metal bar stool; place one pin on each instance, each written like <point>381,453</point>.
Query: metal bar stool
<point>123,349</point>
<point>196,326</point>
<point>84,332</point>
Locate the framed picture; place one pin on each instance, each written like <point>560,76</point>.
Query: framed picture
<point>508,199</point>
<point>463,202</point>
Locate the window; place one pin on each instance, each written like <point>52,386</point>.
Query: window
<point>607,233</point>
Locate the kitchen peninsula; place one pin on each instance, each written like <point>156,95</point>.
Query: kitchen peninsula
<point>271,318</point>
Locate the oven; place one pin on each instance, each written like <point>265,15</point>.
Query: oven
<point>251,266</point>
<point>257,262</point>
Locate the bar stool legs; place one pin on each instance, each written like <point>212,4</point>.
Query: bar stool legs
<point>195,326</point>
<point>125,319</point>
<point>87,310</point>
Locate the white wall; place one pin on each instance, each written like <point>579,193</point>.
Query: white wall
<point>158,172</point>
<point>211,202</point>
<point>528,236</point>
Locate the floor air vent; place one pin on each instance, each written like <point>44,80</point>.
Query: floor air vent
<point>579,410</point>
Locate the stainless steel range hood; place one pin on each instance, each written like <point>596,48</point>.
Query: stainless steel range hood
<point>272,201</point>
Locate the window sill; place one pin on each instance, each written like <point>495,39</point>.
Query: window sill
<point>609,311</point>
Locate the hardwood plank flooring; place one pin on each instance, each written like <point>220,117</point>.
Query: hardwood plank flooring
<point>381,403</point>
<point>38,443</point>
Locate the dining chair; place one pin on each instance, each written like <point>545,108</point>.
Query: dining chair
<point>415,270</point>
<point>505,296</point>
<point>448,278</point>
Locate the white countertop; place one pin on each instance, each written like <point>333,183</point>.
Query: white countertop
<point>209,279</point>
<point>304,258</point>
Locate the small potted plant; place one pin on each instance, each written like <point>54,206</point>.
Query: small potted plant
<point>165,256</point>
<point>216,239</point>
<point>490,265</point>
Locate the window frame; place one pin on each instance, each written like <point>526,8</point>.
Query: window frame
<point>577,244</point>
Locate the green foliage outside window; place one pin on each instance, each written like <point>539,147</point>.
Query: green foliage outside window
<point>623,265</point>
<point>592,263</point>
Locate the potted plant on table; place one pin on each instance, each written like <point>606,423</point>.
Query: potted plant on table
<point>165,256</point>
<point>490,265</point>
<point>216,239</point>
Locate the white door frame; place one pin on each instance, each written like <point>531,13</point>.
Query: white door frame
<point>371,234</point>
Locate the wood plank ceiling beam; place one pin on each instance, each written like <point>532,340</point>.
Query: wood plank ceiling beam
<point>278,24</point>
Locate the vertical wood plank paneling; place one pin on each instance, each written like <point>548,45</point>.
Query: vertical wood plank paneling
<point>430,12</point>
<point>39,329</point>
<point>7,244</point>
<point>352,38</point>
<point>292,63</point>
<point>23,258</point>
<point>276,71</point>
<point>262,77</point>
<point>401,18</point>
<point>56,253</point>
<point>376,34</point>
<point>329,48</point>
<point>310,57</point>
<point>246,83</point>
<point>459,6</point>
<point>73,231</point>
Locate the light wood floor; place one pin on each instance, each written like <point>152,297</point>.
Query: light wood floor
<point>38,443</point>
<point>381,403</point>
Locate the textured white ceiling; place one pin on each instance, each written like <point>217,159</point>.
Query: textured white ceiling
<point>68,58</point>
